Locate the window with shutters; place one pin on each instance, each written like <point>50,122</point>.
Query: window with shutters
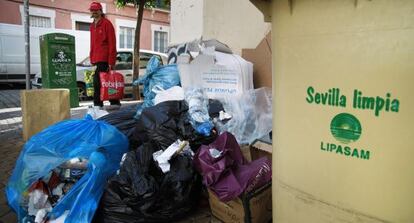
<point>39,17</point>
<point>160,41</point>
<point>82,26</point>
<point>40,21</point>
<point>126,37</point>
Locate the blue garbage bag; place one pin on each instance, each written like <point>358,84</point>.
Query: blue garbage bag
<point>156,77</point>
<point>98,142</point>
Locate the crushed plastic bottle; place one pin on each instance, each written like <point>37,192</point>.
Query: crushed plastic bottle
<point>198,110</point>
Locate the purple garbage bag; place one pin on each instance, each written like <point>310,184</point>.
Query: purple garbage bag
<point>226,172</point>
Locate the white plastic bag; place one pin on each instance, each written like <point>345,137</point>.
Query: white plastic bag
<point>95,112</point>
<point>175,93</point>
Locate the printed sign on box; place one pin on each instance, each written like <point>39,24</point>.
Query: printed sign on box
<point>219,80</point>
<point>230,75</point>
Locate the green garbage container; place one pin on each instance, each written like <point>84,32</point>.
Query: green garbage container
<point>57,53</point>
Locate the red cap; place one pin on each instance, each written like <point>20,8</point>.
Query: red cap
<point>95,6</point>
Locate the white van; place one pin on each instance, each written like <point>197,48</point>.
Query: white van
<point>12,50</point>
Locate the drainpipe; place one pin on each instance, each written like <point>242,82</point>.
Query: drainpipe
<point>27,42</point>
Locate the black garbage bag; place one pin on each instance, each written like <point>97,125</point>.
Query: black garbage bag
<point>140,192</point>
<point>123,119</point>
<point>166,122</point>
<point>214,108</point>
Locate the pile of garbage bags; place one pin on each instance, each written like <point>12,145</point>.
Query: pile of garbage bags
<point>148,162</point>
<point>246,113</point>
<point>141,191</point>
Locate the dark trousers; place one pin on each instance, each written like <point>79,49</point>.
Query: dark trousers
<point>100,67</point>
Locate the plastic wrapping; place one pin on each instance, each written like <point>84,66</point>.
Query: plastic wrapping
<point>156,77</point>
<point>226,172</point>
<point>100,143</point>
<point>198,110</point>
<point>251,115</point>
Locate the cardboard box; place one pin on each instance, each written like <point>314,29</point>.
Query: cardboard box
<point>246,152</point>
<point>261,148</point>
<point>42,108</point>
<point>261,57</point>
<point>254,207</point>
<point>220,75</point>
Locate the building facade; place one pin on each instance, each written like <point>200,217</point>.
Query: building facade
<point>74,15</point>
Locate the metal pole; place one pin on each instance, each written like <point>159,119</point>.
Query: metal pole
<point>27,42</point>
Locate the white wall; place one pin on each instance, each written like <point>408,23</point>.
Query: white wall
<point>186,20</point>
<point>237,23</point>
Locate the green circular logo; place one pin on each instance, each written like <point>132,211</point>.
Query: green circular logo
<point>346,128</point>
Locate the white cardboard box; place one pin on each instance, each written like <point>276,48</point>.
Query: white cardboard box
<point>220,75</point>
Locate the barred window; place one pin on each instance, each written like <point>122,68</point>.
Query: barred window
<point>40,21</point>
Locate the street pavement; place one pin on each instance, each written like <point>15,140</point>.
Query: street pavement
<point>9,98</point>
<point>10,95</point>
<point>11,143</point>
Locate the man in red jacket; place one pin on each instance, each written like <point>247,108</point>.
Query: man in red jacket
<point>103,49</point>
